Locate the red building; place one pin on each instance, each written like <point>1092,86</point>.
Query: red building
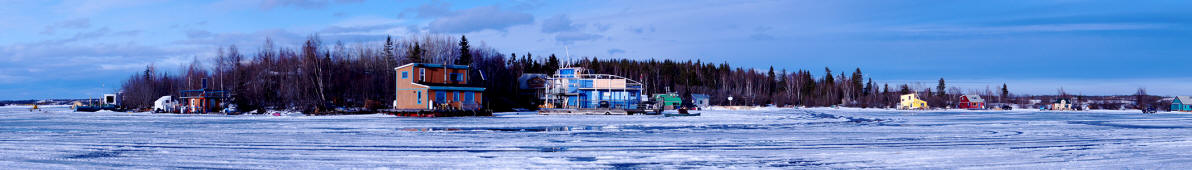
<point>971,102</point>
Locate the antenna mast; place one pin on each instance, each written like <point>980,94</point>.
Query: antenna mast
<point>568,55</point>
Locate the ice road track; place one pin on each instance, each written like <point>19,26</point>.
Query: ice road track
<point>774,138</point>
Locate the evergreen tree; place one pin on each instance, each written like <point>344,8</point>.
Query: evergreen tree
<point>782,81</point>
<point>1005,91</point>
<point>808,84</point>
<point>415,54</point>
<point>858,83</point>
<point>465,54</point>
<point>886,89</point>
<point>940,88</point>
<point>552,64</point>
<point>770,79</point>
<point>388,50</point>
<point>868,88</point>
<point>828,76</point>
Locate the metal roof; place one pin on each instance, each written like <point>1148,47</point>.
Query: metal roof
<point>429,65</point>
<point>974,98</point>
<point>1187,100</point>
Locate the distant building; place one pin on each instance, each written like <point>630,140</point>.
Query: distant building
<point>668,101</point>
<point>970,101</point>
<point>1061,104</point>
<point>422,86</point>
<point>700,100</point>
<point>1182,104</point>
<point>912,101</point>
<point>202,100</point>
<point>112,99</point>
<point>572,88</point>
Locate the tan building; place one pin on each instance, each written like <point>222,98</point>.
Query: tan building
<point>422,86</point>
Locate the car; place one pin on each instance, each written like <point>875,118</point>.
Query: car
<point>1150,110</point>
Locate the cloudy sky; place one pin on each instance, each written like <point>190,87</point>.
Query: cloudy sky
<point>77,49</point>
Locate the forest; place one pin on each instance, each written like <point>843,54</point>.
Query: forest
<point>316,76</point>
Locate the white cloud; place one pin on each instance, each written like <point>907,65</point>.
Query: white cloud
<point>1026,28</point>
<point>78,23</point>
<point>479,19</point>
<point>559,23</point>
<point>571,37</point>
<point>122,66</point>
<point>89,7</point>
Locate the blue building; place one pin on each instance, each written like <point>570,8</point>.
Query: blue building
<point>571,88</point>
<point>1182,103</point>
<point>700,100</point>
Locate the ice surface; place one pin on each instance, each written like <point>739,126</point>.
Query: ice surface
<point>766,138</point>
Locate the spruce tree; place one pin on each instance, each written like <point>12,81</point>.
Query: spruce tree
<point>770,79</point>
<point>940,88</point>
<point>886,89</point>
<point>388,47</point>
<point>868,88</point>
<point>1005,91</point>
<point>415,54</point>
<point>465,54</point>
<point>828,77</point>
<point>858,83</point>
<point>552,64</point>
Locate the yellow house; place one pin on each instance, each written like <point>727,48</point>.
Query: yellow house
<point>1061,104</point>
<point>911,101</point>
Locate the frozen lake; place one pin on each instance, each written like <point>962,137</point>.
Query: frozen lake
<point>776,138</point>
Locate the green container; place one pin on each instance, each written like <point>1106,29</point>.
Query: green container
<point>669,99</point>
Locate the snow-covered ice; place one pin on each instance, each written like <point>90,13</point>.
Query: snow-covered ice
<point>767,138</point>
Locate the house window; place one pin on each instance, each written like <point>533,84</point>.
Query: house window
<point>405,74</point>
<point>457,77</point>
<point>419,96</point>
<point>440,97</point>
<point>421,74</point>
<point>456,96</point>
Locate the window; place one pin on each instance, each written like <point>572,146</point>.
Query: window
<point>419,96</point>
<point>440,97</point>
<point>457,77</point>
<point>456,96</point>
<point>421,74</point>
<point>405,74</point>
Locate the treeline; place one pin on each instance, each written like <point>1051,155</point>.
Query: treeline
<point>748,86</point>
<point>316,77</point>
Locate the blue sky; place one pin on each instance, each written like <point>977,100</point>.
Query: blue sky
<point>77,49</point>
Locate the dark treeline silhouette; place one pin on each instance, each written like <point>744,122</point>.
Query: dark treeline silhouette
<point>749,86</point>
<point>316,77</point>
